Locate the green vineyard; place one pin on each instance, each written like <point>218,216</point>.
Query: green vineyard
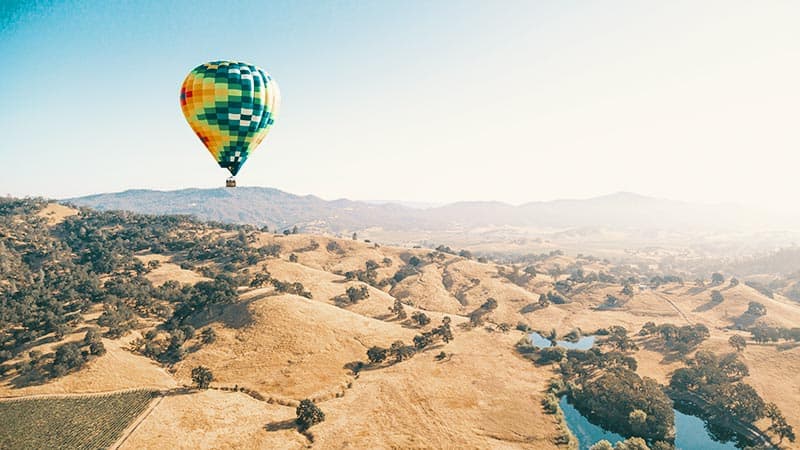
<point>85,422</point>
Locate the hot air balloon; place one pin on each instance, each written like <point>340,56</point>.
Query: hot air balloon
<point>230,106</point>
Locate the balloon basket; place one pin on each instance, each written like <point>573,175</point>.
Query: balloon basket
<point>230,182</point>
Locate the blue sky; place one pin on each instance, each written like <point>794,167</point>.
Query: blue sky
<point>419,101</point>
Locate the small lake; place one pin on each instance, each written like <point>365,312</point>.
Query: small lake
<point>584,343</point>
<point>690,431</point>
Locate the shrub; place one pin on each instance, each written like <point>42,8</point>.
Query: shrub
<point>550,403</point>
<point>423,340</point>
<point>377,354</point>
<point>208,336</point>
<point>295,288</point>
<point>354,294</point>
<point>398,309</point>
<point>308,414</point>
<point>334,247</point>
<point>756,309</point>
<point>401,351</point>
<point>420,318</point>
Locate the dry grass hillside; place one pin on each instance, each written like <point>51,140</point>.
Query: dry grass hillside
<point>476,391</point>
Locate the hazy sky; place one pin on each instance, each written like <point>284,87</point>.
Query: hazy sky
<point>423,101</point>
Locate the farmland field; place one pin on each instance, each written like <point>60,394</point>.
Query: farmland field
<point>85,422</point>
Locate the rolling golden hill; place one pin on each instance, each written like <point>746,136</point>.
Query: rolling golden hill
<point>281,346</point>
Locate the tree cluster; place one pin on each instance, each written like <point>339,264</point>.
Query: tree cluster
<point>294,288</point>
<point>718,381</point>
<point>400,351</point>
<point>679,339</point>
<point>763,333</point>
<point>606,388</point>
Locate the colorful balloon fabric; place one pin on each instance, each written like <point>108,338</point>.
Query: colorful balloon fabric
<point>231,106</point>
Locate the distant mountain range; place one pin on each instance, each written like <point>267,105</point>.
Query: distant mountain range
<point>278,210</point>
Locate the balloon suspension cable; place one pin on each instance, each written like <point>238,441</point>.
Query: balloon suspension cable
<point>230,182</point>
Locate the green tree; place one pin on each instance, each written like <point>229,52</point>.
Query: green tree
<point>662,445</point>
<point>398,309</point>
<point>778,425</point>
<point>648,328</point>
<point>716,296</point>
<point>68,358</point>
<point>202,377</point>
<point>354,294</point>
<point>544,302</point>
<point>717,279</point>
<point>422,340</point>
<point>637,419</point>
<point>627,290</point>
<point>208,336</point>
<point>632,443</point>
<point>261,278</point>
<point>738,342</point>
<point>740,400</point>
<point>611,301</point>
<point>444,331</point>
<point>308,414</point>
<point>376,354</point>
<point>602,445</point>
<point>420,318</point>
<point>756,309</point>
<point>401,351</point>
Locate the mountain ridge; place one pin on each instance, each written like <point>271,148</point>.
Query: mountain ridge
<point>279,209</point>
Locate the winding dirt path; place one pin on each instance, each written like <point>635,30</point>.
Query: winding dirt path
<point>674,306</point>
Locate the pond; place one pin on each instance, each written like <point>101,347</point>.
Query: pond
<point>584,343</point>
<point>691,432</point>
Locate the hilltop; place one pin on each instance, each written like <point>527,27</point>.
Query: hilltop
<point>285,327</point>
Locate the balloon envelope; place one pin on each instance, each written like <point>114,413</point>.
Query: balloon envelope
<point>230,106</point>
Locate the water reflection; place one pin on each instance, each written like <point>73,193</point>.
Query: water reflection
<point>691,432</point>
<point>584,343</point>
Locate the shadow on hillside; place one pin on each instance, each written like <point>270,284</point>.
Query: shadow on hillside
<point>707,306</point>
<point>26,380</point>
<point>50,338</point>
<point>785,346</point>
<point>288,424</point>
<point>531,307</point>
<point>655,344</point>
<point>745,321</point>
<point>174,392</point>
<point>235,315</point>
<point>437,346</point>
<point>355,367</point>
<point>696,290</point>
